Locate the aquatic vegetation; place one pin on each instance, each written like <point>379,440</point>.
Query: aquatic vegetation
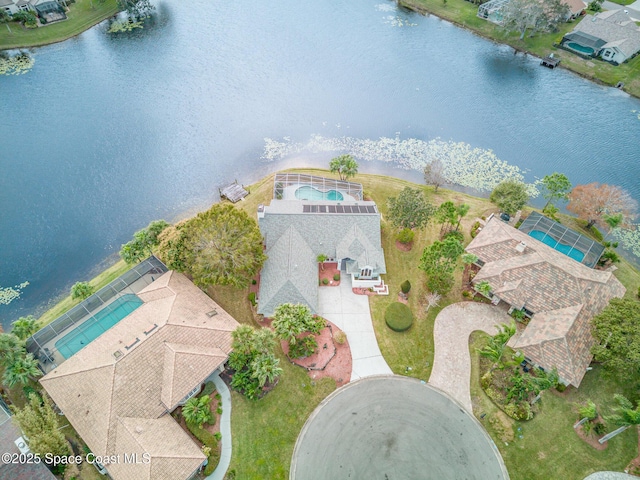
<point>125,25</point>
<point>385,7</point>
<point>629,239</point>
<point>463,164</point>
<point>9,294</point>
<point>17,64</point>
<point>399,22</point>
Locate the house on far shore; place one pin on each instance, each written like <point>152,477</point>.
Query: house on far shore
<point>612,36</point>
<point>119,390</point>
<point>47,10</point>
<point>576,8</point>
<point>492,10</point>
<point>544,270</point>
<point>311,216</point>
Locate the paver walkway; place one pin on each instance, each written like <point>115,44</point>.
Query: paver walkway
<point>225,430</point>
<point>452,362</point>
<point>350,312</point>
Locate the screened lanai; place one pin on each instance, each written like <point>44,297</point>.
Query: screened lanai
<point>562,239</point>
<point>311,187</point>
<point>492,10</point>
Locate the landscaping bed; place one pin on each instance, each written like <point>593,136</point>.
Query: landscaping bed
<point>329,274</point>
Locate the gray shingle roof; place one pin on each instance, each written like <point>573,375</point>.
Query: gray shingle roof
<point>612,26</point>
<point>295,238</point>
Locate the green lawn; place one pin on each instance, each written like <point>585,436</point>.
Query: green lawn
<point>82,15</point>
<point>549,447</point>
<point>463,13</point>
<point>98,282</point>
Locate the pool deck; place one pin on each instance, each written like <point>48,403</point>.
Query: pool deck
<point>57,357</point>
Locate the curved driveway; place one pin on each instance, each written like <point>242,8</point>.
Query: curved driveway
<point>452,362</point>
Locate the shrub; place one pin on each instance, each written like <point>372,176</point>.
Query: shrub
<point>610,255</point>
<point>405,236</point>
<point>253,282</point>
<point>474,229</point>
<point>336,277</point>
<point>519,411</point>
<point>458,235</point>
<point>561,387</point>
<point>466,294</point>
<point>599,429</point>
<point>252,298</point>
<point>441,284</point>
<point>518,315</point>
<point>81,290</point>
<point>638,294</point>
<point>405,286</point>
<point>325,281</point>
<point>219,410</point>
<point>398,317</point>
<point>303,347</point>
<point>218,436</point>
<point>208,389</point>
<point>340,337</point>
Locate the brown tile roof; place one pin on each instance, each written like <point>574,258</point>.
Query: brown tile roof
<point>575,6</point>
<point>562,293</point>
<point>118,405</point>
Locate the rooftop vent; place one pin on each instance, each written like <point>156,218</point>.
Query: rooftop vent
<point>212,313</point>
<point>118,354</point>
<point>132,344</point>
<point>520,247</point>
<point>147,332</point>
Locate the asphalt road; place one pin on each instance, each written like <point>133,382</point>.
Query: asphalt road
<point>393,428</point>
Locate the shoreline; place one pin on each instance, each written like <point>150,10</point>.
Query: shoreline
<point>423,9</point>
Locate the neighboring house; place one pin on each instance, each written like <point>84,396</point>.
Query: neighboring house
<point>296,231</point>
<point>576,8</point>
<point>118,391</point>
<point>492,10</point>
<point>50,10</point>
<point>611,35</point>
<point>560,294</point>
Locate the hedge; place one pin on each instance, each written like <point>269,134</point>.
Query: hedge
<point>398,317</point>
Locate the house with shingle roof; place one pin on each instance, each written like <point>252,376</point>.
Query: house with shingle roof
<point>118,391</point>
<point>297,230</point>
<point>560,294</point>
<point>611,35</point>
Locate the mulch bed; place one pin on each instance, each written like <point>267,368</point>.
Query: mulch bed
<point>211,428</point>
<point>330,269</point>
<point>363,291</point>
<point>591,439</point>
<point>404,247</point>
<point>403,298</point>
<point>324,353</point>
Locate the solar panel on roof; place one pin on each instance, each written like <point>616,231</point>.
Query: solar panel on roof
<point>306,208</point>
<point>322,208</point>
<point>314,208</point>
<point>339,209</point>
<point>332,209</point>
<point>371,209</point>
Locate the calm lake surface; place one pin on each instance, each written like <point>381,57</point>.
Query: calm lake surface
<point>106,133</point>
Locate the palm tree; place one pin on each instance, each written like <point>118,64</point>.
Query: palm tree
<point>291,320</point>
<point>345,166</point>
<point>505,332</point>
<point>321,259</point>
<point>5,18</point>
<point>21,370</point>
<point>483,288</point>
<point>24,327</point>
<point>197,410</point>
<point>264,340</point>
<point>11,347</point>
<point>265,368</point>
<point>461,211</point>
<point>625,416</point>
<point>243,339</point>
<point>612,221</point>
<point>494,352</point>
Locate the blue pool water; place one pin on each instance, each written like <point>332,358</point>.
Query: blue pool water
<point>561,247</point>
<point>310,193</point>
<point>100,322</point>
<point>580,48</point>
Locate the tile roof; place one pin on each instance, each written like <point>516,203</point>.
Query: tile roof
<point>615,28</point>
<point>295,238</point>
<point>119,405</point>
<point>575,6</point>
<point>562,293</point>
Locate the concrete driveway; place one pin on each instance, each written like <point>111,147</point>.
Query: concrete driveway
<point>351,314</point>
<point>452,362</point>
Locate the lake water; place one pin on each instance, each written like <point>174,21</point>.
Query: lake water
<point>106,133</point>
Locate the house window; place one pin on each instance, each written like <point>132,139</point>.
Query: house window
<point>365,272</point>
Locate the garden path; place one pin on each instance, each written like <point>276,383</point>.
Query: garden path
<point>225,429</point>
<point>452,362</point>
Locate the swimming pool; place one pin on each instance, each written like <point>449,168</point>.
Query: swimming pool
<point>579,48</point>
<point>310,193</point>
<point>568,250</point>
<point>100,322</point>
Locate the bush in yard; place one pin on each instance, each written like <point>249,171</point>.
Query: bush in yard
<point>210,442</point>
<point>252,298</point>
<point>405,286</point>
<point>304,347</point>
<point>208,389</point>
<point>340,337</point>
<point>474,229</point>
<point>336,277</point>
<point>405,236</point>
<point>457,234</point>
<point>325,281</point>
<point>197,410</point>
<point>81,290</point>
<point>398,317</point>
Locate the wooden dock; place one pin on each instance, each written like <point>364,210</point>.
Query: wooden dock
<point>550,61</point>
<point>233,192</point>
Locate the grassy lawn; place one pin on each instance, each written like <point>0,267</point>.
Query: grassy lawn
<point>463,13</point>
<point>82,15</point>
<point>98,282</point>
<point>549,447</point>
